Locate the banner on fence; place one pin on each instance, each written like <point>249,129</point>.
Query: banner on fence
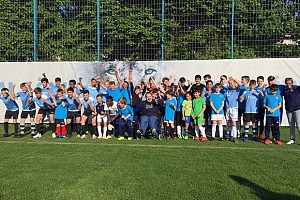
<point>16,73</point>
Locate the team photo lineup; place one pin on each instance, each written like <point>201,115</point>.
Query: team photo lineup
<point>167,108</point>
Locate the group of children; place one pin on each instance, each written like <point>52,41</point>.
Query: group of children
<point>111,108</point>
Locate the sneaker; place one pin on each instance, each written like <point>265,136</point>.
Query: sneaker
<point>22,135</point>
<point>204,139</point>
<point>255,139</point>
<point>121,138</point>
<point>99,137</point>
<point>160,136</point>
<point>5,135</point>
<point>212,139</point>
<point>154,133</point>
<point>246,139</point>
<point>83,136</point>
<point>267,142</point>
<point>38,135</point>
<point>273,141</point>
<point>179,136</point>
<point>108,137</point>
<point>227,136</point>
<point>261,137</point>
<point>221,139</point>
<point>53,135</point>
<point>196,138</point>
<point>16,135</point>
<point>278,142</point>
<point>94,137</point>
<point>291,142</point>
<point>186,137</point>
<point>78,136</point>
<point>129,138</point>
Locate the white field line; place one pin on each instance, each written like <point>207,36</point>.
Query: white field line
<point>152,145</point>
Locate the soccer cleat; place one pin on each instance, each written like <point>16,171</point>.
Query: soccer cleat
<point>291,142</point>
<point>204,139</point>
<point>186,137</point>
<point>221,139</point>
<point>94,137</point>
<point>246,139</point>
<point>5,135</point>
<point>234,140</point>
<point>267,142</point>
<point>83,136</point>
<point>99,137</point>
<point>212,139</point>
<point>154,133</point>
<point>278,142</point>
<point>175,138</point>
<point>160,136</point>
<point>196,138</point>
<point>38,135</point>
<point>16,135</point>
<point>169,137</point>
<point>273,141</point>
<point>227,136</point>
<point>261,137</point>
<point>255,139</point>
<point>179,136</point>
<point>121,138</point>
<point>78,136</point>
<point>108,137</point>
<point>22,135</point>
<point>53,135</point>
<point>129,138</point>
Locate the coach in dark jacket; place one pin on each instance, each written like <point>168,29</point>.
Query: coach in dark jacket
<point>150,113</point>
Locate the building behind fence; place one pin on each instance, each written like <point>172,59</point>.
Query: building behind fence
<point>108,30</point>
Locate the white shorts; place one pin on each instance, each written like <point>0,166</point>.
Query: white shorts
<point>232,114</point>
<point>217,117</point>
<point>169,121</point>
<point>101,118</point>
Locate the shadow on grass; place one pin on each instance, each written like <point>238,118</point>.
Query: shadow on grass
<point>261,192</point>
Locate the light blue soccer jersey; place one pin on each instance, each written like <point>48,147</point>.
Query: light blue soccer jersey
<point>9,103</point>
<point>24,99</point>
<point>72,104</point>
<point>85,104</point>
<point>243,89</point>
<point>261,98</point>
<point>217,99</point>
<point>53,88</point>
<point>179,100</point>
<point>126,111</point>
<point>104,93</point>
<point>251,99</point>
<point>232,98</point>
<point>170,110</point>
<point>280,91</point>
<point>42,104</point>
<point>93,91</point>
<point>126,93</point>
<point>272,101</point>
<point>116,93</point>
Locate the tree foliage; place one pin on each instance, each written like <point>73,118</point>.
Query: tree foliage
<point>132,29</point>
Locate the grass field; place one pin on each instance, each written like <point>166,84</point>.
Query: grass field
<point>49,168</point>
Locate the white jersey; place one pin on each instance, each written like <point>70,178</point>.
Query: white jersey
<point>113,109</point>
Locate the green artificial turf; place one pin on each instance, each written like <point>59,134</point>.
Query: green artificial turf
<point>47,168</point>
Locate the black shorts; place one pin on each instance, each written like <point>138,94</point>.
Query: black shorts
<point>87,113</point>
<point>59,121</point>
<point>251,117</point>
<point>241,114</point>
<point>25,114</point>
<point>72,114</point>
<point>45,111</point>
<point>11,114</point>
<point>207,112</point>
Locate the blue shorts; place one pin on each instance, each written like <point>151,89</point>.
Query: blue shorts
<point>187,119</point>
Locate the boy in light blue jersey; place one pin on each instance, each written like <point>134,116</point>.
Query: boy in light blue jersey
<point>46,107</point>
<point>232,97</point>
<point>74,111</point>
<point>93,89</point>
<point>244,87</point>
<point>12,111</point>
<point>251,99</point>
<point>54,87</point>
<point>103,89</point>
<point>261,109</point>
<point>178,114</point>
<point>88,104</point>
<point>273,102</point>
<point>217,102</point>
<point>27,109</point>
<point>169,117</point>
<point>126,113</point>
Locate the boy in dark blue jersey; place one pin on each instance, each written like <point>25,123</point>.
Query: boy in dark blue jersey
<point>12,110</point>
<point>74,107</point>
<point>261,109</point>
<point>101,117</point>
<point>88,105</point>
<point>60,113</point>
<point>46,107</point>
<point>27,109</point>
